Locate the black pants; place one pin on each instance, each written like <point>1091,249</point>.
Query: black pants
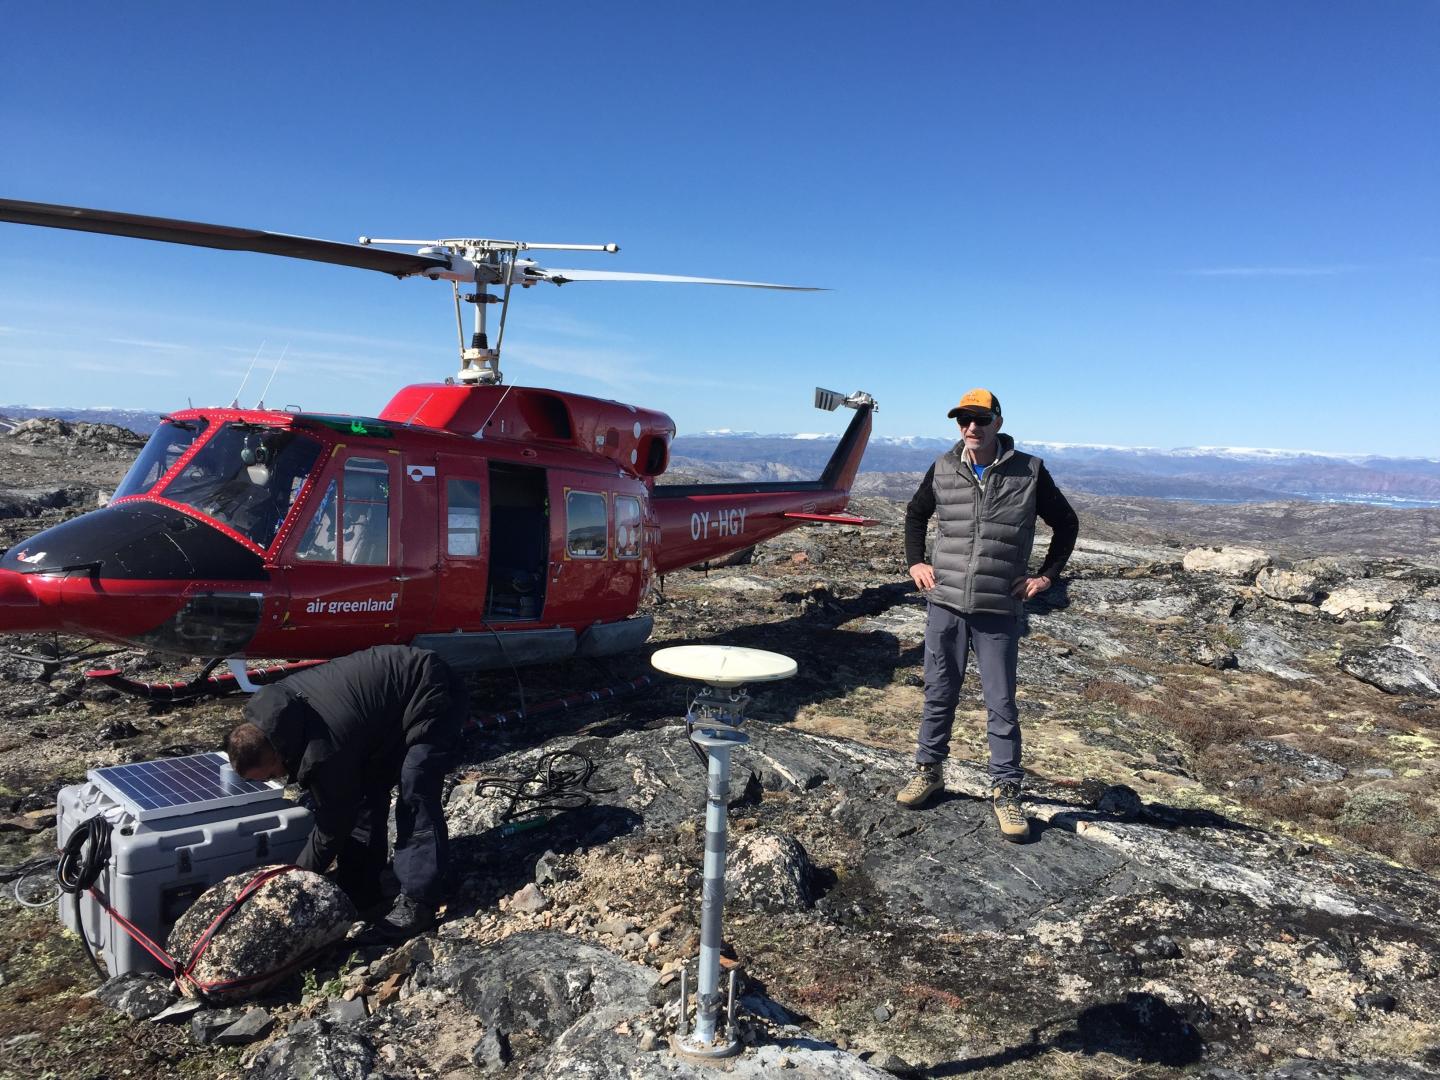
<point>422,843</point>
<point>421,840</point>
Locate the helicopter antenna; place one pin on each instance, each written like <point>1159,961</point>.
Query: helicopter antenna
<point>273,372</point>
<point>235,403</point>
<point>418,408</point>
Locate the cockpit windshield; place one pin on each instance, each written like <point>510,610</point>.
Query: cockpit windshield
<point>247,477</point>
<point>166,446</point>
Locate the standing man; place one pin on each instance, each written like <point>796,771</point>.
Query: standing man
<point>987,495</point>
<point>349,731</point>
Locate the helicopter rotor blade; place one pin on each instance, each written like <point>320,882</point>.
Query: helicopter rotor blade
<point>562,277</point>
<point>225,237</point>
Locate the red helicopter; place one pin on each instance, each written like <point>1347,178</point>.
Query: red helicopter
<point>496,524</point>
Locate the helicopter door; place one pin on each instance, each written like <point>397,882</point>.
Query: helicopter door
<point>346,585</point>
<point>583,578</point>
<point>461,545</point>
<point>519,543</point>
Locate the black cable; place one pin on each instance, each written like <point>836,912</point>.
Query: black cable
<point>85,856</point>
<point>519,684</point>
<point>549,787</point>
<point>701,754</point>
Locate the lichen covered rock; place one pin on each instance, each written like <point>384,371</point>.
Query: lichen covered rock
<point>1392,668</point>
<point>1291,586</point>
<point>770,871</point>
<point>311,1050</point>
<point>1236,562</point>
<point>1371,598</point>
<point>288,918</point>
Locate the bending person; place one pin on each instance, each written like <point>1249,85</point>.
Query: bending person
<point>350,732</point>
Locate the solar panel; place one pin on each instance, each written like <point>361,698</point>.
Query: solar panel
<point>180,785</point>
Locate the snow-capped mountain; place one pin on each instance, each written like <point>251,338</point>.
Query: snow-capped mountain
<point>1207,473</point>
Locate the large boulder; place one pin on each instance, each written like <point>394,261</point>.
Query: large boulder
<point>545,1004</point>
<point>1232,562</point>
<point>1393,669</point>
<point>313,1050</point>
<point>541,982</point>
<point>1291,586</point>
<point>291,917</point>
<point>770,871</point>
<point>1370,598</point>
<point>1417,626</point>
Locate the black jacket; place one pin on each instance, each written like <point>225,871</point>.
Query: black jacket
<point>342,730</point>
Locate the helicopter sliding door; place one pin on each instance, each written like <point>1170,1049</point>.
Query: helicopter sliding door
<point>519,543</point>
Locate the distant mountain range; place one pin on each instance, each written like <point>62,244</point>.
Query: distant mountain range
<point>1206,474</point>
<point>1202,473</point>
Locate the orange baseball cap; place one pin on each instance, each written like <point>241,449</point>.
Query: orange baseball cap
<point>977,400</point>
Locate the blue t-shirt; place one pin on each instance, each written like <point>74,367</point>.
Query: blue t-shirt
<point>979,471</point>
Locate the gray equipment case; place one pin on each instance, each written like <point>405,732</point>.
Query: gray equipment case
<point>157,868</point>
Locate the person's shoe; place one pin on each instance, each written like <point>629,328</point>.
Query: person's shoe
<point>1010,813</point>
<point>925,783</point>
<point>406,919</point>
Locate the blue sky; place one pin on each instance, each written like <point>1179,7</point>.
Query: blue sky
<point>1146,222</point>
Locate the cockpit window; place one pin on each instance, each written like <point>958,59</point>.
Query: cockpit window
<point>247,477</point>
<point>166,446</point>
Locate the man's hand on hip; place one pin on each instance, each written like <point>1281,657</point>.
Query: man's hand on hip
<point>1027,587</point>
<point>923,574</point>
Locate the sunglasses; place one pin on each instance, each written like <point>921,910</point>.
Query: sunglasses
<point>966,419</point>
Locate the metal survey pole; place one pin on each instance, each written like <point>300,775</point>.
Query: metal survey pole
<point>718,743</point>
<point>713,723</point>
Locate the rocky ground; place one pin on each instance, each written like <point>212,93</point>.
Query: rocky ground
<point>1233,756</point>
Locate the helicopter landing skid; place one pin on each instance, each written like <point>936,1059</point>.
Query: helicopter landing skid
<point>203,685</point>
<point>58,658</point>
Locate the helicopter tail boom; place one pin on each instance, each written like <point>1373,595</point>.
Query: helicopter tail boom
<point>700,522</point>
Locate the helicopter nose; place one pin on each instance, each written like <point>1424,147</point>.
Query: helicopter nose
<point>20,608</point>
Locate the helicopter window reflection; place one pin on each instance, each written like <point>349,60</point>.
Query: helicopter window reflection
<point>627,527</point>
<point>462,500</point>
<point>318,543</point>
<point>166,446</point>
<point>246,477</point>
<point>366,513</point>
<point>586,525</point>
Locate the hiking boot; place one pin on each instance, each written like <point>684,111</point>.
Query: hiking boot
<point>406,919</point>
<point>1010,813</point>
<point>925,783</point>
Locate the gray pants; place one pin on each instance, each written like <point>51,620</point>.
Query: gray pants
<point>949,636</point>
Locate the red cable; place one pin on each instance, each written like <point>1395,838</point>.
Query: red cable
<point>178,971</point>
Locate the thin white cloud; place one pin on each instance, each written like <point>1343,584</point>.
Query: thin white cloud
<point>127,368</point>
<point>141,343</point>
<point>543,318</point>
<point>1330,270</point>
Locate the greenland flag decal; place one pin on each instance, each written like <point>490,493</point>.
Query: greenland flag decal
<point>420,472</point>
